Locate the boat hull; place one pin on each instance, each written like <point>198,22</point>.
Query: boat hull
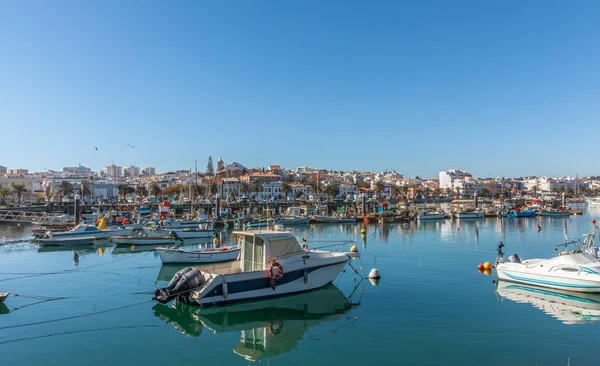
<point>556,213</point>
<point>548,281</point>
<point>431,217</point>
<point>295,221</point>
<point>154,240</point>
<point>172,256</point>
<point>525,213</point>
<point>193,234</point>
<point>333,220</point>
<point>256,285</point>
<point>88,240</point>
<point>477,215</point>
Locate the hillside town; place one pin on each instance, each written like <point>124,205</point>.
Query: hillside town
<point>234,181</point>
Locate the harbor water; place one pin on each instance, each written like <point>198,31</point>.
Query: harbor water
<point>92,306</point>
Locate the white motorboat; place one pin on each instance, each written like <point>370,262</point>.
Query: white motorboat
<point>91,230</point>
<point>143,240</point>
<point>593,201</point>
<point>423,215</point>
<point>470,214</point>
<point>568,307</point>
<point>272,263</point>
<point>571,271</point>
<point>52,240</point>
<point>178,255</point>
<point>268,328</point>
<point>170,223</point>
<point>292,216</point>
<point>205,230</point>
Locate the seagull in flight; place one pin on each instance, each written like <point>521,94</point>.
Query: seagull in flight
<point>131,146</point>
<point>95,147</point>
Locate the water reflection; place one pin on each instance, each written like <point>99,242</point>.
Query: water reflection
<point>268,328</point>
<point>568,307</point>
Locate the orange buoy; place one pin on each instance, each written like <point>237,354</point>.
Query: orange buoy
<point>480,267</point>
<point>487,265</point>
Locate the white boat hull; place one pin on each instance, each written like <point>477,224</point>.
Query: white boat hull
<point>424,217</point>
<point>256,285</point>
<point>85,240</point>
<point>193,234</point>
<point>549,277</point>
<point>170,256</point>
<point>294,221</point>
<point>153,240</point>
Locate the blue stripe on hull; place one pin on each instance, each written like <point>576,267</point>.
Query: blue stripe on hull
<point>261,283</point>
<point>256,298</point>
<point>550,283</point>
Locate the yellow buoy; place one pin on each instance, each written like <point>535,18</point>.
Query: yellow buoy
<point>133,247</point>
<point>353,249</point>
<point>363,231</point>
<point>487,266</point>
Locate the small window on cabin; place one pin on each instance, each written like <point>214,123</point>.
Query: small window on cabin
<point>567,269</point>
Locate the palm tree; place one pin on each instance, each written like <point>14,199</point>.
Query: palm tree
<point>48,193</point>
<point>155,191</point>
<point>285,189</point>
<point>330,191</point>
<point>18,190</point>
<point>85,188</point>
<point>141,191</point>
<point>378,187</point>
<point>4,191</point>
<point>298,194</point>
<point>245,188</point>
<point>65,188</point>
<point>256,186</point>
<point>124,190</point>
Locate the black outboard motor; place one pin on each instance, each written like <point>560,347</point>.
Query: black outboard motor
<point>183,282</point>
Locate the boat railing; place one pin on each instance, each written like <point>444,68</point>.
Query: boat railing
<point>574,243</point>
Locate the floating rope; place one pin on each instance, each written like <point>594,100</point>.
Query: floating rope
<point>75,316</point>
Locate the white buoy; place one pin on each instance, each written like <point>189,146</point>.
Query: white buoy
<point>353,249</point>
<point>374,274</point>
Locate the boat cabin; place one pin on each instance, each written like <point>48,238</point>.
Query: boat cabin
<point>259,248</point>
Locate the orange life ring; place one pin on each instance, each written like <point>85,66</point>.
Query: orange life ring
<point>275,271</point>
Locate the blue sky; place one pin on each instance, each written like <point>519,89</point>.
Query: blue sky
<point>498,88</point>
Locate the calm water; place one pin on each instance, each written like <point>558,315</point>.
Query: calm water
<point>431,306</point>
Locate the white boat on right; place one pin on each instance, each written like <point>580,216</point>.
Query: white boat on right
<point>593,201</point>
<point>577,270</point>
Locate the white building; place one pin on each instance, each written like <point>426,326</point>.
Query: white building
<point>467,186</point>
<point>132,171</point>
<point>77,170</point>
<point>230,188</point>
<point>448,177</point>
<point>113,170</point>
<point>3,169</point>
<point>149,171</point>
<point>18,171</point>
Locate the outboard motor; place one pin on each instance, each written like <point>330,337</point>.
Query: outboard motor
<point>183,282</point>
<point>513,259</point>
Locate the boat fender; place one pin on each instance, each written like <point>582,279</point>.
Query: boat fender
<point>305,275</point>
<point>225,290</point>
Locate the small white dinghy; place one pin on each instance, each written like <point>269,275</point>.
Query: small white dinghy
<point>177,255</point>
<point>51,240</point>
<point>3,296</point>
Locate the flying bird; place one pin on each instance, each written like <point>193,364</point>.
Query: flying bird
<point>131,146</point>
<point>96,148</point>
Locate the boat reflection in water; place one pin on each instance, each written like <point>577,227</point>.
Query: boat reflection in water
<point>568,307</point>
<point>269,328</point>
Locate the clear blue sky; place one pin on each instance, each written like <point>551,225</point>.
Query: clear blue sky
<point>495,87</point>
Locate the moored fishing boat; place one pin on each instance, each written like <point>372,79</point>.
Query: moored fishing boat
<point>52,240</point>
<point>3,296</point>
<point>423,215</point>
<point>178,255</point>
<point>553,212</point>
<point>272,263</point>
<point>82,230</point>
<point>522,213</point>
<point>469,214</point>
<point>593,201</point>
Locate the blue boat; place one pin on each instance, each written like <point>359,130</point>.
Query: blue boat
<point>523,213</point>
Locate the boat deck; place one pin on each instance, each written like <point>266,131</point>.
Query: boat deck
<point>223,268</point>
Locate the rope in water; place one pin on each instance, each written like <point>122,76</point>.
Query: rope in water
<point>75,316</point>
